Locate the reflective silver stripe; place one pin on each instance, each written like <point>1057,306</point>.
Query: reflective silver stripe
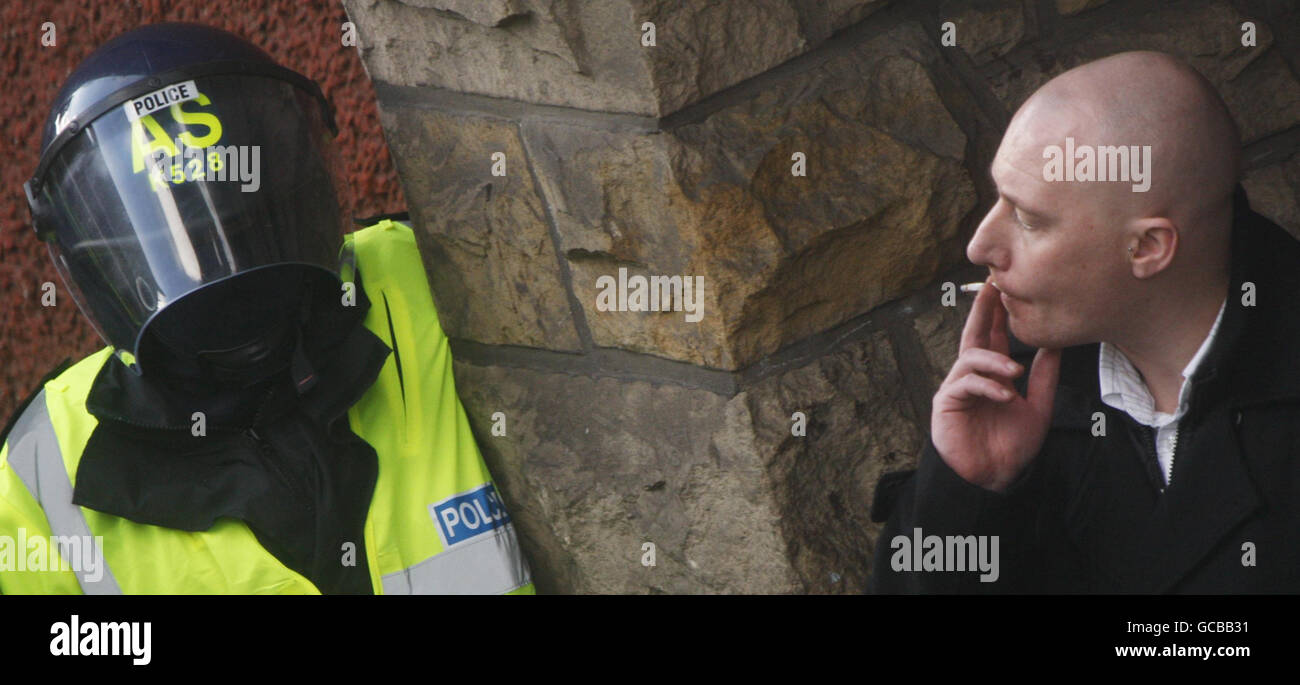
<point>35,456</point>
<point>491,564</point>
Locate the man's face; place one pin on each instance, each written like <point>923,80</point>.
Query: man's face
<point>1053,248</point>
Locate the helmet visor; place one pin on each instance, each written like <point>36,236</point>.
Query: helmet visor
<point>187,186</point>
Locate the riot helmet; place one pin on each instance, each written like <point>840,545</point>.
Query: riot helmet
<point>187,191</point>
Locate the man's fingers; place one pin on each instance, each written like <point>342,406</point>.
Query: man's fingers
<point>1043,374</point>
<point>986,363</point>
<point>973,385</point>
<point>976,331</point>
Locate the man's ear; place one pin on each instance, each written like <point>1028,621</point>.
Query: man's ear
<point>1153,246</point>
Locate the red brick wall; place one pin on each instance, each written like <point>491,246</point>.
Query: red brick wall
<point>302,35</point>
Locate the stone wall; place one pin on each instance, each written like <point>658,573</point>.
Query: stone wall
<point>821,291</point>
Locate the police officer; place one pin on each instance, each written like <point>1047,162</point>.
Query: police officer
<point>275,410</point>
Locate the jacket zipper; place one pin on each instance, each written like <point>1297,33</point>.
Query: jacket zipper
<point>267,453</point>
<point>1173,452</point>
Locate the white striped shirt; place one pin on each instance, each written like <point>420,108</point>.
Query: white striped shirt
<point>1122,387</point>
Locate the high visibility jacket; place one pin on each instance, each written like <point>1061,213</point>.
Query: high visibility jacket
<point>435,523</point>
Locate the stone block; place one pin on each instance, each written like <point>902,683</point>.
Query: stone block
<point>485,242</point>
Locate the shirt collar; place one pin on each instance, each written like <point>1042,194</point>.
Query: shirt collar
<point>1122,386</point>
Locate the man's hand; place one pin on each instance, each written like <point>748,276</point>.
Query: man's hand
<point>982,428</point>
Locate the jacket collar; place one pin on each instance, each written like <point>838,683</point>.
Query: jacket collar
<point>1256,363</point>
<point>341,357</point>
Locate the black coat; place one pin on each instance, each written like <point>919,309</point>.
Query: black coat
<point>1088,515</point>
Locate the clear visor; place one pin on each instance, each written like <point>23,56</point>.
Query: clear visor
<point>185,187</point>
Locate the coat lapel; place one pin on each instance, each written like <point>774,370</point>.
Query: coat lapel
<point>1210,495</point>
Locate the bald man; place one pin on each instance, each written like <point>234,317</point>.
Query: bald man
<point>1150,445</point>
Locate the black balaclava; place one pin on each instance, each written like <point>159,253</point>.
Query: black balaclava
<point>231,335</point>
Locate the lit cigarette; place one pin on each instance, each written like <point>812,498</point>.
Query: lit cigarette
<point>971,287</point>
